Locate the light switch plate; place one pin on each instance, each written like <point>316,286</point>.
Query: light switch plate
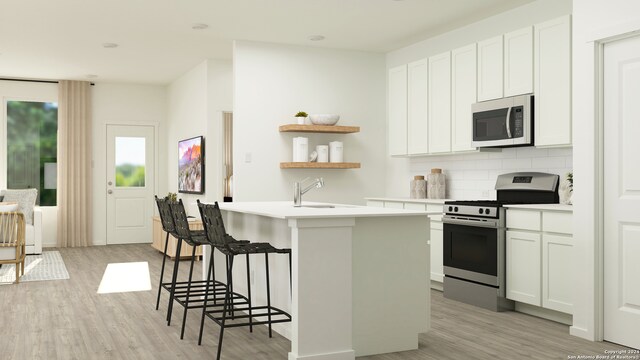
<point>247,157</point>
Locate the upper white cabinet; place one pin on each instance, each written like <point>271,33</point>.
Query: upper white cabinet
<point>439,103</point>
<point>463,95</point>
<point>552,86</point>
<point>518,62</point>
<point>417,107</point>
<point>430,99</point>
<point>397,107</point>
<point>490,70</point>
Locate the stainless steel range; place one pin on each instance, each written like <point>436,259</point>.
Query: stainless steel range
<point>474,239</point>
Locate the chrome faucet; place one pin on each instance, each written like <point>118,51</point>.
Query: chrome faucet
<point>298,192</point>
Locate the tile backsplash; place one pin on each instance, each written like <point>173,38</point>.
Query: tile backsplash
<point>473,176</point>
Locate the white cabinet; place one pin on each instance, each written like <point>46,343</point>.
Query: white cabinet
<point>417,107</point>
<point>552,43</point>
<point>397,101</point>
<point>523,267</point>
<point>439,103</point>
<point>490,70</point>
<point>540,258</point>
<point>463,95</point>
<point>557,272</point>
<point>518,62</point>
<point>437,271</point>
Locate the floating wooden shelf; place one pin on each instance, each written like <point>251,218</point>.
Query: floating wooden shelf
<point>333,129</point>
<point>317,165</point>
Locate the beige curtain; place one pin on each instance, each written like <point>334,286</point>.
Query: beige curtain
<point>74,164</point>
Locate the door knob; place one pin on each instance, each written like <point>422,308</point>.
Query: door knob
<point>109,192</point>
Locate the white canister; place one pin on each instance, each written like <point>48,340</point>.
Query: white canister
<point>336,152</point>
<point>323,153</point>
<point>302,151</point>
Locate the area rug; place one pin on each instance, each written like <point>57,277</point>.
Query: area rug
<point>47,266</point>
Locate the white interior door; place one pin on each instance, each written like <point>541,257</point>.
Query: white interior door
<point>622,192</point>
<point>130,183</point>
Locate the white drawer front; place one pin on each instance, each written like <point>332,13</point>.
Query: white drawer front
<point>434,207</point>
<point>394,205</point>
<point>558,222</point>
<point>523,219</point>
<point>415,206</point>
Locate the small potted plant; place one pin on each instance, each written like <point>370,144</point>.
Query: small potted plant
<point>301,116</point>
<point>173,197</point>
<point>566,189</point>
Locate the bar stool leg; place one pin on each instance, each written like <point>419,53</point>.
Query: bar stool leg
<point>173,281</point>
<point>249,296</point>
<point>266,262</point>
<point>226,304</point>
<point>164,260</point>
<point>206,297</point>
<point>186,304</point>
<point>290,278</point>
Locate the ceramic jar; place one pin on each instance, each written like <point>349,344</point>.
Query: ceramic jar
<point>418,187</point>
<point>436,186</point>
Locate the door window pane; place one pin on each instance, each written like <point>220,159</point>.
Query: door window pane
<point>32,146</point>
<point>130,161</point>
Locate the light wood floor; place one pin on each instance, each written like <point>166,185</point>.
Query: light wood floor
<point>68,320</point>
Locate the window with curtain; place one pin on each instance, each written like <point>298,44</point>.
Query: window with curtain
<point>32,145</point>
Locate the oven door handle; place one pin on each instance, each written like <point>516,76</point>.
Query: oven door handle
<point>486,224</point>
<point>509,122</point>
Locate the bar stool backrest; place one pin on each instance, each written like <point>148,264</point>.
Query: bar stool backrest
<point>180,220</point>
<point>165,214</point>
<point>213,225</point>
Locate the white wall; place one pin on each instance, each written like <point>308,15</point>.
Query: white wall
<point>122,104</point>
<point>592,20</point>
<point>473,176</point>
<point>196,101</point>
<point>272,83</point>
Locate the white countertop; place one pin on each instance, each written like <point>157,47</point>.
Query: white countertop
<point>286,210</point>
<point>420,201</point>
<point>551,207</point>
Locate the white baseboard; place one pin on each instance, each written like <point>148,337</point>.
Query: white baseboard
<point>548,314</point>
<point>581,333</point>
<point>342,355</point>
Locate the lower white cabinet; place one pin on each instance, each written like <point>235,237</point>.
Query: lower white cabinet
<point>557,272</point>
<point>540,258</point>
<point>437,272</point>
<point>523,267</point>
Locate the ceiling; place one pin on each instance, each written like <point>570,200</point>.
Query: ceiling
<point>63,39</point>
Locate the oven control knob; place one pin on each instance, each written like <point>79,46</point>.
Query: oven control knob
<point>486,211</point>
<point>455,209</point>
<point>450,208</point>
<point>481,211</point>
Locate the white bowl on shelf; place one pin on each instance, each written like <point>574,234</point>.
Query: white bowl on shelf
<point>324,119</point>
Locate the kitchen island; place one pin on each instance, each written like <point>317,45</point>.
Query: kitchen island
<point>359,274</point>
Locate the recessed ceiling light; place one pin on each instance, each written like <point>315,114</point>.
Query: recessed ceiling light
<point>316,37</point>
<point>199,26</point>
<point>91,76</point>
<point>109,45</point>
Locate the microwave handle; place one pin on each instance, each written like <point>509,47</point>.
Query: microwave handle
<point>509,122</point>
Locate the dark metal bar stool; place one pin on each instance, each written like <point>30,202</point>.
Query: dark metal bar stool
<point>192,292</point>
<point>216,233</point>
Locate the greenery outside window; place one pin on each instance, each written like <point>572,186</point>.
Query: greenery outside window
<point>32,147</point>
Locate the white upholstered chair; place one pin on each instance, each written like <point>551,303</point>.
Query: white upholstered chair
<point>12,242</point>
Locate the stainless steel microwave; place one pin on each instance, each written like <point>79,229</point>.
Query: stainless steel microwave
<point>503,122</point>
